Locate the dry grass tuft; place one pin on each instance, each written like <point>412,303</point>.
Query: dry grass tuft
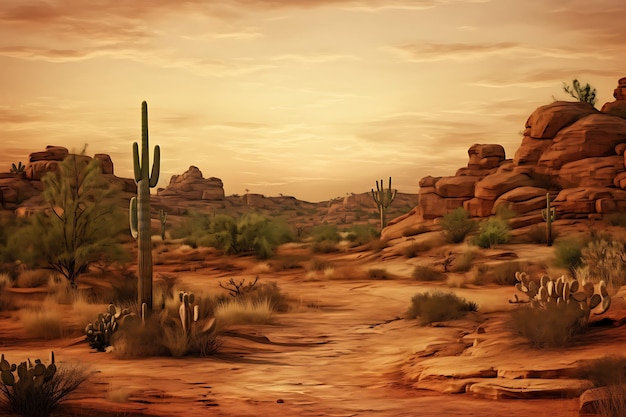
<point>44,322</point>
<point>244,312</point>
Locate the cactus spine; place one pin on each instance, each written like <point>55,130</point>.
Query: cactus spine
<point>549,215</point>
<point>140,208</point>
<point>383,199</point>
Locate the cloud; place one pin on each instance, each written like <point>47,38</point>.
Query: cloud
<point>425,52</point>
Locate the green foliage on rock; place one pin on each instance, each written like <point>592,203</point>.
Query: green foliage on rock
<point>492,231</point>
<point>456,225</point>
<point>584,94</point>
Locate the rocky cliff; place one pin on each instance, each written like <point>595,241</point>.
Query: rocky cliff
<point>568,149</point>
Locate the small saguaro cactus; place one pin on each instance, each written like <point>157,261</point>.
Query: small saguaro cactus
<point>163,218</point>
<point>383,198</point>
<point>549,215</point>
<point>140,208</point>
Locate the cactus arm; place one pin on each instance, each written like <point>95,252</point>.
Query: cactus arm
<point>156,167</point>
<point>136,163</point>
<point>383,199</point>
<point>132,217</point>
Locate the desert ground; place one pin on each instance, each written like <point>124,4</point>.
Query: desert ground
<point>343,347</point>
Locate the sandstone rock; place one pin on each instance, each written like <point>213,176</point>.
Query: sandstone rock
<point>485,156</point>
<point>255,200</point>
<point>36,170</point>
<point>591,172</point>
<point>616,108</point>
<point>16,190</point>
<point>456,186</point>
<point>471,172</point>
<point>477,207</point>
<point>432,205</point>
<point>52,153</point>
<point>594,135</point>
<point>535,388</point>
<point>547,120</point>
<point>530,150</point>
<point>579,202</point>
<point>522,200</point>
<point>106,163</point>
<point>191,185</point>
<point>428,181</point>
<point>493,186</point>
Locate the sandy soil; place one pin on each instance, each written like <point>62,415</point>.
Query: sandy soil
<point>342,350</point>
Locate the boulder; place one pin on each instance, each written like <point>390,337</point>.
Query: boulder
<point>477,207</point>
<point>16,190</point>
<point>591,136</point>
<point>579,202</point>
<point>191,185</point>
<point>52,153</point>
<point>485,156</point>
<point>456,186</point>
<point>37,169</point>
<point>547,120</point>
<point>493,186</point>
<point>594,400</point>
<point>428,181</point>
<point>530,150</point>
<point>106,164</point>
<point>522,200</point>
<point>432,205</point>
<point>591,172</point>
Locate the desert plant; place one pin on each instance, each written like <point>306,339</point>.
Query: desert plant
<point>36,389</point>
<point>100,331</point>
<point>465,261</point>
<point>427,273</point>
<point>549,215</point>
<point>325,232</point>
<point>568,252</point>
<point>560,303</point>
<point>586,94</point>
<point>383,199</point>
<point>605,261</point>
<point>244,311</point>
<point>18,169</point>
<point>80,226</point>
<point>32,278</point>
<point>604,371</point>
<point>457,224</point>
<point>163,219</point>
<point>360,234</point>
<point>439,306</point>
<point>492,231</point>
<point>139,212</point>
<point>502,273</point>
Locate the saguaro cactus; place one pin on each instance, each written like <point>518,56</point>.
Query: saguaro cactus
<point>140,208</point>
<point>163,218</point>
<point>549,215</point>
<point>383,199</point>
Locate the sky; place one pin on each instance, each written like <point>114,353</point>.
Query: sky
<point>310,98</point>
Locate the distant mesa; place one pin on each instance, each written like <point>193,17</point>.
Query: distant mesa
<point>191,185</point>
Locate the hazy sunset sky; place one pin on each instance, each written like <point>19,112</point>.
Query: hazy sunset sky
<point>311,98</point>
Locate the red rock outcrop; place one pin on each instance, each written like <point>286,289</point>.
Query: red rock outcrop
<point>569,149</point>
<point>191,185</point>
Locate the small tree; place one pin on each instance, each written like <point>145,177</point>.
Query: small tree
<point>82,221</point>
<point>586,94</point>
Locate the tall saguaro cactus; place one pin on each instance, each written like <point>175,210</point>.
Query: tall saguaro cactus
<point>140,208</point>
<point>383,198</point>
<point>549,215</point>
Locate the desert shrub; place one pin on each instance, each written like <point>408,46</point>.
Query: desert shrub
<point>502,273</point>
<point>427,273</point>
<point>464,261</point>
<point>377,273</point>
<point>244,312</point>
<point>604,371</point>
<point>605,261</point>
<point>412,231</point>
<point>361,234</point>
<point>551,327</point>
<point>272,293</point>
<point>325,232</point>
<point>439,306</point>
<point>40,400</point>
<point>616,218</point>
<point>584,94</point>
<point>537,234</point>
<point>416,248</point>
<point>456,225</point>
<point>568,252</point>
<point>492,231</point>
<point>32,278</point>
<point>42,323</point>
<point>324,246</point>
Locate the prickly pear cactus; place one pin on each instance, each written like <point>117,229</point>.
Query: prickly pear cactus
<point>100,331</point>
<point>559,291</point>
<point>30,376</point>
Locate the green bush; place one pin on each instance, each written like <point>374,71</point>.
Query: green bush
<point>568,252</point>
<point>456,225</point>
<point>492,231</point>
<point>361,234</point>
<point>439,306</point>
<point>427,273</point>
<point>325,232</point>
<point>550,327</point>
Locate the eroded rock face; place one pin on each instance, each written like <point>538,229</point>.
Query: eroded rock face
<point>569,149</point>
<point>191,185</point>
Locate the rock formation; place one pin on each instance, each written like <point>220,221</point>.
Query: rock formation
<point>191,185</point>
<point>569,149</point>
